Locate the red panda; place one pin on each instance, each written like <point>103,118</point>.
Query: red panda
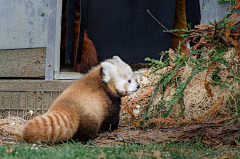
<point>89,105</point>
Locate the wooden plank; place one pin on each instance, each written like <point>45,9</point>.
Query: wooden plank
<point>70,75</point>
<point>18,97</point>
<point>57,39</point>
<point>39,85</point>
<point>24,24</point>
<point>212,10</point>
<point>50,57</point>
<point>23,63</point>
<point>21,103</point>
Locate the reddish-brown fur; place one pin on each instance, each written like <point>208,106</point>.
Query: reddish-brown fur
<point>84,108</point>
<point>89,105</point>
<point>89,53</point>
<point>56,125</point>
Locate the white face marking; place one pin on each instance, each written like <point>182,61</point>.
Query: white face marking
<point>124,81</point>
<point>121,74</point>
<point>132,87</point>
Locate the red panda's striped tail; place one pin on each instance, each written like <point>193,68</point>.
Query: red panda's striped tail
<point>53,126</point>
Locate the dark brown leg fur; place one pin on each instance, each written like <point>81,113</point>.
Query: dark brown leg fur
<point>88,128</point>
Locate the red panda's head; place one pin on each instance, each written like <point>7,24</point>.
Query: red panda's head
<point>119,75</point>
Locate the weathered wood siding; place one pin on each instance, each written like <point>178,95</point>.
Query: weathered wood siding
<point>23,63</point>
<point>18,97</point>
<point>24,23</point>
<point>212,10</point>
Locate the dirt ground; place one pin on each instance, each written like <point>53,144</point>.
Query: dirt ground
<point>210,134</point>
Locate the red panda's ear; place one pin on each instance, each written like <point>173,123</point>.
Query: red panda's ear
<point>107,70</point>
<point>118,58</point>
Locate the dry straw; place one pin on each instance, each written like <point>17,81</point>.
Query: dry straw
<point>11,129</point>
<point>199,96</point>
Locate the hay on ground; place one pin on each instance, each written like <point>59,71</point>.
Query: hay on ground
<point>199,96</point>
<point>11,129</point>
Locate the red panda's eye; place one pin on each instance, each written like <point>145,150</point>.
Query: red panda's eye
<point>129,81</point>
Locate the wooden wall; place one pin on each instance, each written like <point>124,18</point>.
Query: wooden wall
<point>29,63</point>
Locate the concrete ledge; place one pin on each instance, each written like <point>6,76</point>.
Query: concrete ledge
<point>34,84</point>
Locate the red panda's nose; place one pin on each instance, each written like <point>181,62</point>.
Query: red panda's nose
<point>138,86</point>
